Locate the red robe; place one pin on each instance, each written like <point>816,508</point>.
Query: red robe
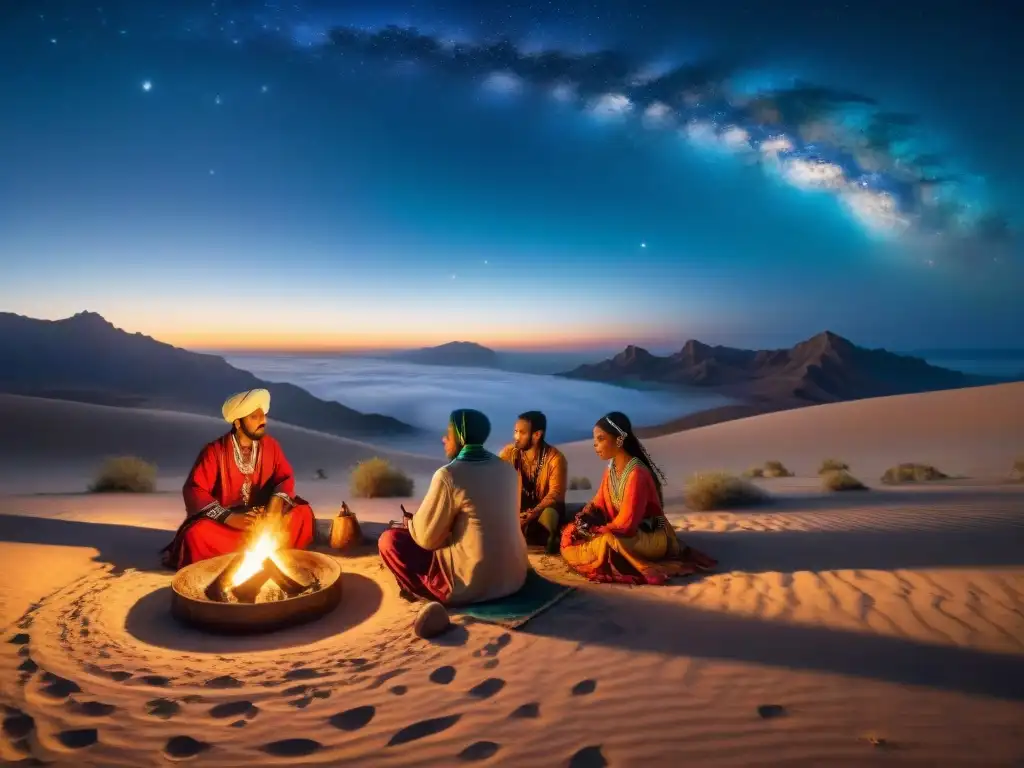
<point>215,484</point>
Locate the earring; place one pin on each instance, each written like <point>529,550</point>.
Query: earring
<point>620,441</point>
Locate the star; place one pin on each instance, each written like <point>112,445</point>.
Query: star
<point>486,262</point>
<point>212,172</point>
<point>264,88</point>
<point>53,40</point>
<point>643,245</point>
<point>147,86</point>
<point>216,100</point>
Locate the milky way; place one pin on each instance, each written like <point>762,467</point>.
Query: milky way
<point>814,137</point>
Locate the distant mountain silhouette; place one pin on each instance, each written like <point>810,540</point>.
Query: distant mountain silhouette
<point>86,359</point>
<point>826,368</point>
<point>454,353</point>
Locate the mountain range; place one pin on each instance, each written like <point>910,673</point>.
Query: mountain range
<point>457,354</point>
<point>823,369</point>
<point>84,358</point>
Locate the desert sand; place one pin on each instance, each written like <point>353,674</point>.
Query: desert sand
<point>879,627</point>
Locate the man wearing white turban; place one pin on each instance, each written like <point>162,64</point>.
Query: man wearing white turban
<point>238,479</point>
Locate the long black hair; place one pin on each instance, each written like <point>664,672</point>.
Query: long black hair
<point>617,424</point>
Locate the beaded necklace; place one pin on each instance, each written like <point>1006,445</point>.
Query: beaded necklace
<point>617,484</point>
<point>245,467</point>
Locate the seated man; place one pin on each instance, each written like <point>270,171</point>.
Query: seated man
<point>237,480</point>
<point>463,544</point>
<point>542,472</point>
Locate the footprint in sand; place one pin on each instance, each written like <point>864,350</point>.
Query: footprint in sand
<point>494,647</point>
<point>353,719</point>
<point>423,728</point>
<point>584,687</point>
<point>491,663</point>
<point>28,667</point>
<point>17,725</point>
<point>304,674</point>
<point>239,724</point>
<point>481,750</point>
<point>385,677</point>
<point>19,639</point>
<point>58,687</point>
<point>768,711</point>
<point>399,690</point>
<point>78,739</point>
<point>488,688</point>
<point>165,709</point>
<point>442,675</point>
<point>184,747</point>
<point>588,757</point>
<point>157,681</point>
<point>224,681</point>
<point>234,709</point>
<point>527,711</point>
<point>292,747</point>
<point>89,708</point>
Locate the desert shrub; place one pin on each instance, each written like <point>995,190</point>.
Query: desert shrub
<point>776,469</point>
<point>912,473</point>
<point>1017,473</point>
<point>320,475</point>
<point>125,474</point>
<point>720,490</point>
<point>841,480</point>
<point>580,484</point>
<point>832,465</point>
<point>754,472</point>
<point>378,479</point>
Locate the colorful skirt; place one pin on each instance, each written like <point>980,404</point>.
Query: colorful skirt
<point>649,557</point>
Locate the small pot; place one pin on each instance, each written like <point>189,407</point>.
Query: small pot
<point>345,531</point>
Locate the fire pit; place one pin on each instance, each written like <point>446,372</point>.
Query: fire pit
<point>262,589</point>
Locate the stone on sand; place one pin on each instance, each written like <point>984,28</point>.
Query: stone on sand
<point>431,621</point>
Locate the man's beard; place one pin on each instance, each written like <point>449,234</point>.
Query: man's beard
<point>526,443</point>
<point>257,434</point>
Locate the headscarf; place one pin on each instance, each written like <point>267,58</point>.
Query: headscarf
<point>471,427</point>
<point>242,404</point>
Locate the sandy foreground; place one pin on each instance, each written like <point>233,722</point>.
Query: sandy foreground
<point>887,625</point>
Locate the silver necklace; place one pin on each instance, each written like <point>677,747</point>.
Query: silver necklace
<point>245,467</point>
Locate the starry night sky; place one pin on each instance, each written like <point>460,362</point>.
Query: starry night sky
<point>552,174</point>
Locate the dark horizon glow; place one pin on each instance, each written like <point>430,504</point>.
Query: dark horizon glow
<point>245,177</point>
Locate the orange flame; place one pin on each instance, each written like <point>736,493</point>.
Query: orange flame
<point>265,539</point>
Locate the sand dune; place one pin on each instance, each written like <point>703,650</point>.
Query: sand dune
<point>976,432</point>
<point>55,446</point>
<point>884,627</point>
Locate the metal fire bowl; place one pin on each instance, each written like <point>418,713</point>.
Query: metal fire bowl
<point>189,603</point>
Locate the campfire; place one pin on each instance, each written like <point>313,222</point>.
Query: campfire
<point>263,573</point>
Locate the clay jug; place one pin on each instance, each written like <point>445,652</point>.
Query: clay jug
<point>345,530</point>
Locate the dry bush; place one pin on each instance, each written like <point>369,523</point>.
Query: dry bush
<point>912,473</point>
<point>776,469</point>
<point>125,474</point>
<point>754,472</point>
<point>833,465</point>
<point>378,479</point>
<point>1017,473</point>
<point>720,490</point>
<point>580,484</point>
<point>841,480</point>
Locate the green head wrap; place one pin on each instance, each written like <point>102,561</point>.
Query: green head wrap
<point>471,427</point>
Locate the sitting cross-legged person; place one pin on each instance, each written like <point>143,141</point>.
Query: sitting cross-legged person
<point>542,480</point>
<point>622,535</point>
<point>463,544</point>
<point>238,480</point>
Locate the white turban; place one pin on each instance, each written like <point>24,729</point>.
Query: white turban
<point>241,405</point>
